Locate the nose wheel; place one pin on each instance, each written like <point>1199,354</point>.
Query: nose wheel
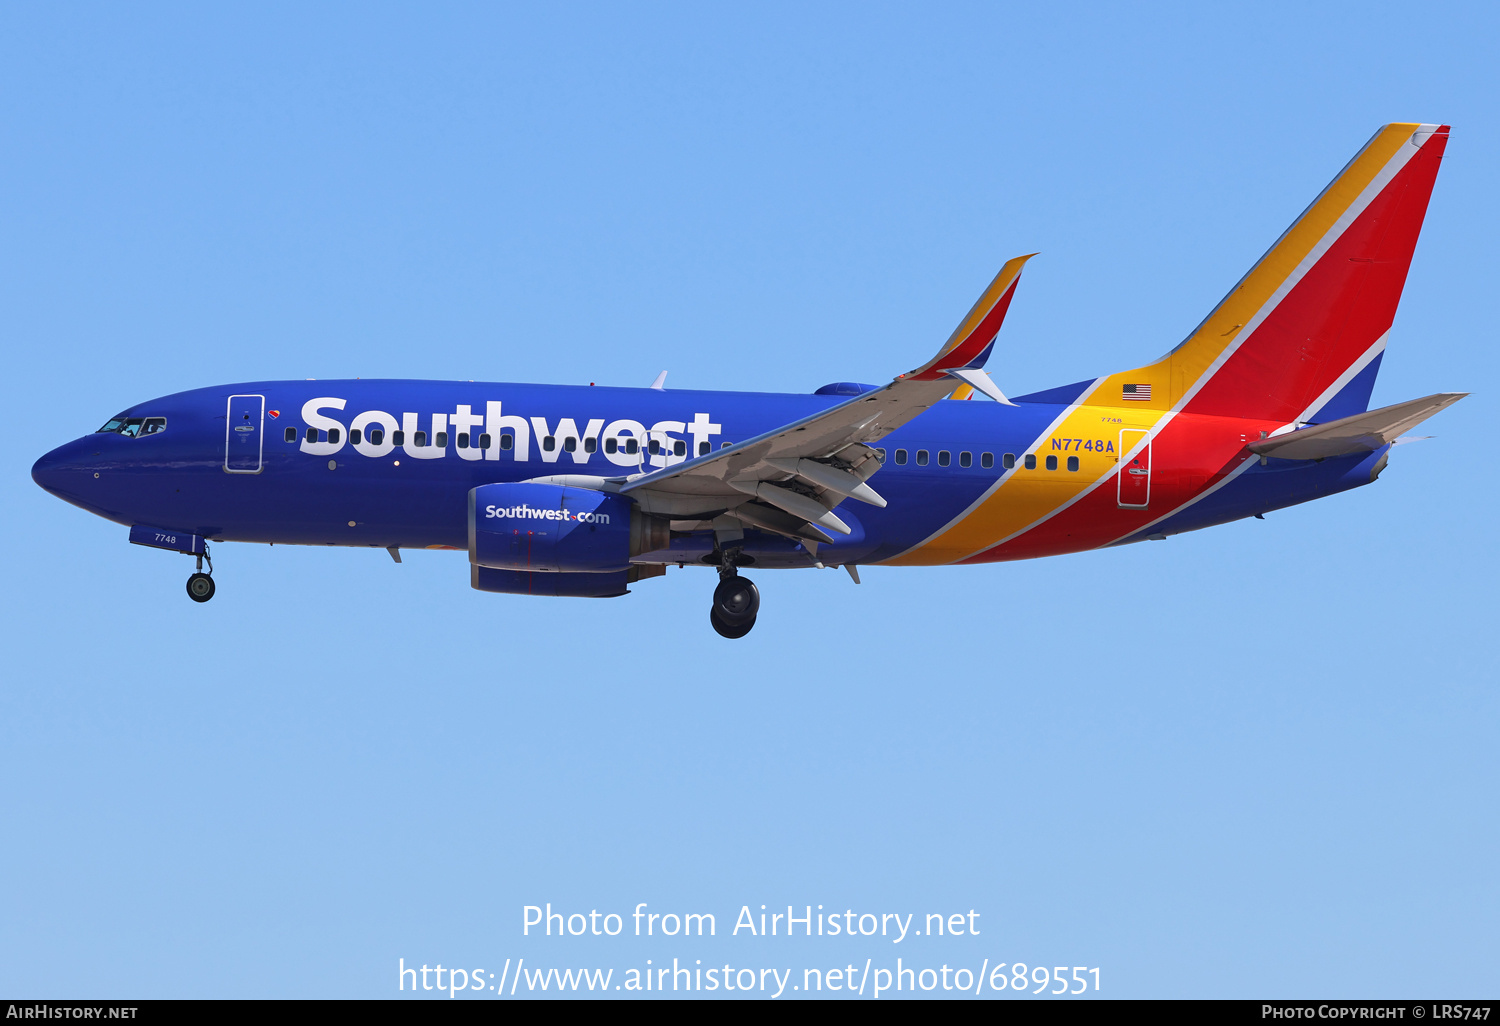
<point>200,586</point>
<point>736,604</point>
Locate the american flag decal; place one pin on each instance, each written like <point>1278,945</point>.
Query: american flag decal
<point>1140,393</point>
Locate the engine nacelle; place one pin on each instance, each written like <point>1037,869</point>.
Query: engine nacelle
<point>558,529</point>
<point>519,582</point>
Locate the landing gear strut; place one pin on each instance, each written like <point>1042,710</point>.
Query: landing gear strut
<point>200,586</point>
<point>736,601</point>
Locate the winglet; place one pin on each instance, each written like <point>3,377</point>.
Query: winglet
<point>970,344</point>
<point>660,383</point>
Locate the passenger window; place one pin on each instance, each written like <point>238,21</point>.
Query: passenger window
<point>590,444</point>
<point>463,439</point>
<point>485,441</point>
<point>354,436</point>
<point>549,443</point>
<point>922,457</point>
<point>611,445</point>
<point>725,445</point>
<point>376,436</point>
<point>312,435</point>
<point>1051,462</point>
<point>419,439</point>
<point>291,434</point>
<point>1008,461</point>
<point>987,460</point>
<point>570,444</point>
<point>900,457</point>
<point>398,437</point>
<point>632,446</point>
<point>333,435</point>
<point>880,455</point>
<point>703,448</point>
<point>1072,462</point>
<point>654,447</point>
<point>679,448</point>
<point>943,458</point>
<point>1031,461</point>
<point>441,441</point>
<point>154,425</point>
<point>507,440</point>
<point>966,459</point>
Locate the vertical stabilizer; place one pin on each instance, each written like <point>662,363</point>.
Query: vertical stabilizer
<point>1305,328</point>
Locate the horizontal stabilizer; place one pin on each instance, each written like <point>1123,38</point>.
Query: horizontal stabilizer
<point>1363,432</point>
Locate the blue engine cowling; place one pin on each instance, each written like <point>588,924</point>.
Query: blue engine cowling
<point>558,529</point>
<point>519,582</point>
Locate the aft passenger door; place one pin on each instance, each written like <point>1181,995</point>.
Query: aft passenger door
<point>1135,470</point>
<point>242,435</point>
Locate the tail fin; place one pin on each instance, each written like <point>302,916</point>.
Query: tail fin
<point>1303,331</point>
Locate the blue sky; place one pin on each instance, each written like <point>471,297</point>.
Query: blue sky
<point>1257,760</point>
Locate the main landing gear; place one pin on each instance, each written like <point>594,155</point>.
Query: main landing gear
<point>736,602</point>
<point>200,586</point>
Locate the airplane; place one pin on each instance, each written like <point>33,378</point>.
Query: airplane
<point>560,490</point>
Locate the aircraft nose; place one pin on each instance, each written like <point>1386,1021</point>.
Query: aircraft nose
<point>60,471</point>
<point>47,471</point>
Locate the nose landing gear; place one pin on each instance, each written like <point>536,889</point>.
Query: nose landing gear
<point>200,586</point>
<point>736,602</point>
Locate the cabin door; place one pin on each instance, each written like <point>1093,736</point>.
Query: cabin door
<point>1135,470</point>
<point>243,440</point>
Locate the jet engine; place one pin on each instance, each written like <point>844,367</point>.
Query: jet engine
<point>546,528</point>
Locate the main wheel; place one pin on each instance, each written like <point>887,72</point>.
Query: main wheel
<point>725,630</point>
<point>200,587</point>
<point>736,602</point>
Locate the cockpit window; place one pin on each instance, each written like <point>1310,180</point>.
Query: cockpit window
<point>134,427</point>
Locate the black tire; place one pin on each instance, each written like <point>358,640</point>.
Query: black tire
<point>736,601</point>
<point>200,587</point>
<point>727,631</point>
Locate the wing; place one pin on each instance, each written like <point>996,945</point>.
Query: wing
<point>788,480</point>
<point>1363,432</point>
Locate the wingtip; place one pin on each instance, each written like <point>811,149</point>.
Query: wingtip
<point>976,333</point>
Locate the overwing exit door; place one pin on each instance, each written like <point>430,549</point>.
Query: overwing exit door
<point>1135,470</point>
<point>242,435</point>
